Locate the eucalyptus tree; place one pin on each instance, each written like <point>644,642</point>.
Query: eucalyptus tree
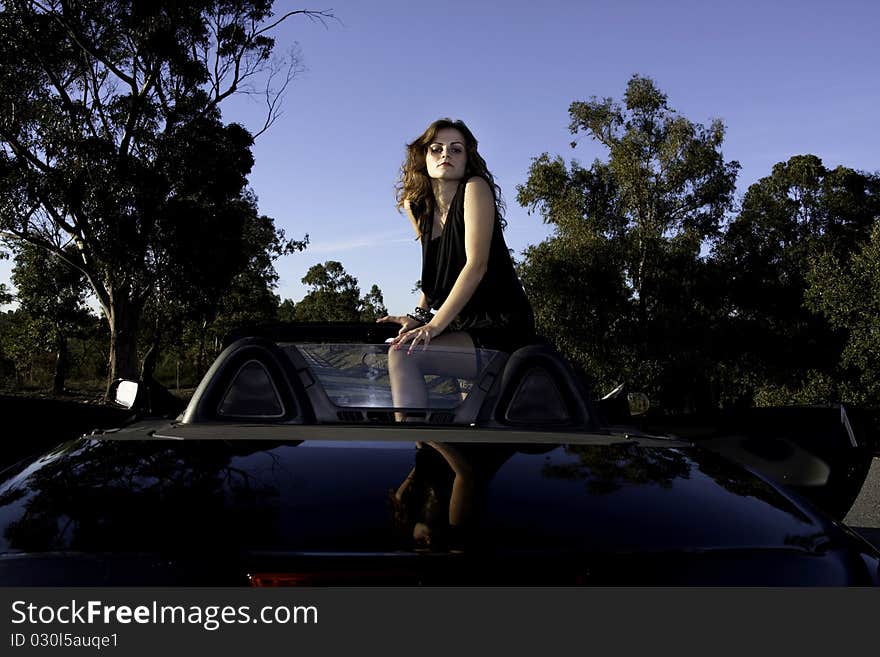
<point>629,231</point>
<point>111,140</point>
<point>52,299</point>
<point>335,296</point>
<point>372,305</point>
<point>801,214</point>
<point>845,289</point>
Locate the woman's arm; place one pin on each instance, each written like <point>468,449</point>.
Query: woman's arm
<point>479,221</point>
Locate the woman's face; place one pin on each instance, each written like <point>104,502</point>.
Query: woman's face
<point>446,157</point>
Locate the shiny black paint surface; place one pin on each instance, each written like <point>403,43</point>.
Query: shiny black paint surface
<point>550,513</point>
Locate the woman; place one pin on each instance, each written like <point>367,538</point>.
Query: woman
<point>468,277</point>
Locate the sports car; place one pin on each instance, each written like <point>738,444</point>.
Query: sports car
<point>292,464</point>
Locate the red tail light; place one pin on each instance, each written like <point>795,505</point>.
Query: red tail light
<point>335,578</point>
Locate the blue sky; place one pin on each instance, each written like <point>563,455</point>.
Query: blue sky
<point>786,78</point>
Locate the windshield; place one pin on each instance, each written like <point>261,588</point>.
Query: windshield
<point>357,375</point>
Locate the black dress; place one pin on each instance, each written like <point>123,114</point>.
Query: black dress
<point>498,315</point>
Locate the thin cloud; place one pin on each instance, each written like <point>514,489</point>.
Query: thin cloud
<point>359,242</point>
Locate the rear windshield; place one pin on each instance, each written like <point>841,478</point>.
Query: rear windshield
<point>357,375</point>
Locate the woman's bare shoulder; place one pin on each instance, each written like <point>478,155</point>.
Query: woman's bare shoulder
<point>475,182</point>
<point>478,188</point>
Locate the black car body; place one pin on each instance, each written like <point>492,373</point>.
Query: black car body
<point>288,468</point>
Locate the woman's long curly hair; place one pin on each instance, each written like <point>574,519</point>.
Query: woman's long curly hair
<point>414,184</point>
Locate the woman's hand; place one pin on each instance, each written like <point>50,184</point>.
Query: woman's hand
<point>406,322</point>
<point>414,336</point>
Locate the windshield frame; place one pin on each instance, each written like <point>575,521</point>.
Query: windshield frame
<point>499,396</point>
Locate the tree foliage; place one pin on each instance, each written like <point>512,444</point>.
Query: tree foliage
<point>802,212</point>
<point>372,305</point>
<point>192,320</point>
<point>52,300</point>
<point>111,140</point>
<point>5,294</point>
<point>335,296</point>
<point>581,302</point>
<point>845,289</point>
<point>29,360</point>
<point>628,236</point>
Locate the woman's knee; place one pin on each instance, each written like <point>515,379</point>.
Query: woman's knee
<point>399,361</point>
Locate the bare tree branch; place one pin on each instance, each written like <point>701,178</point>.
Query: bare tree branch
<point>84,99</point>
<point>273,97</point>
<point>58,251</point>
<point>216,78</point>
<point>244,65</point>
<point>58,85</point>
<point>87,47</point>
<point>163,99</point>
<point>58,218</point>
<point>314,15</point>
<point>92,78</point>
<point>21,151</point>
<point>133,113</point>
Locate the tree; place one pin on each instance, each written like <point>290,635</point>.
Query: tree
<point>665,178</point>
<point>629,232</point>
<point>112,141</point>
<point>801,212</point>
<point>578,291</point>
<point>205,312</point>
<point>52,298</point>
<point>335,297</point>
<point>846,290</point>
<point>5,295</point>
<point>287,311</point>
<point>373,305</point>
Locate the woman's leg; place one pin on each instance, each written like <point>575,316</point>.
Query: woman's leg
<point>452,354</point>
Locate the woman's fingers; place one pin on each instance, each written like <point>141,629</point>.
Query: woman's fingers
<point>422,334</point>
<point>403,338</point>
